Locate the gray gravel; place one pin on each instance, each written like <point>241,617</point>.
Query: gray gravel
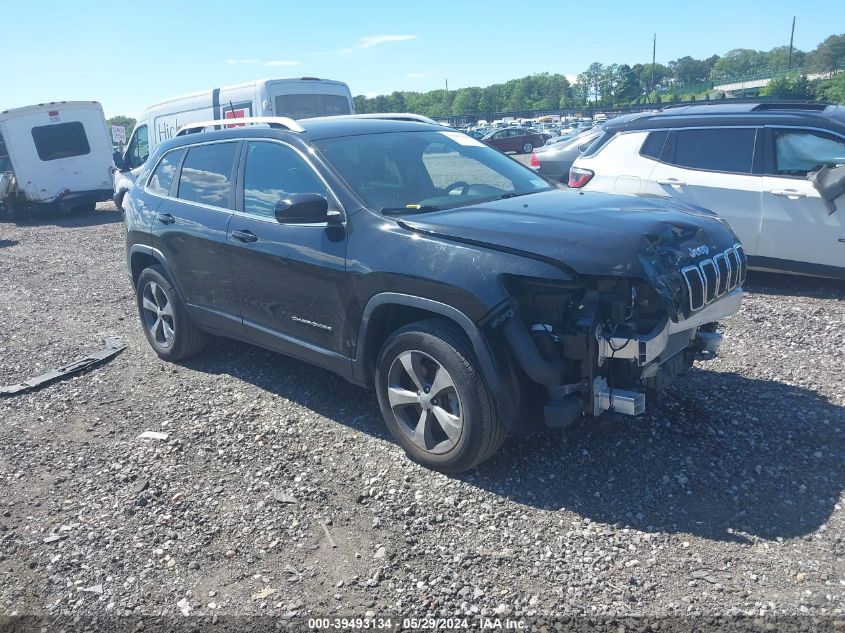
<point>278,490</point>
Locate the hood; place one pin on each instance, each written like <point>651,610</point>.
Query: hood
<point>590,233</point>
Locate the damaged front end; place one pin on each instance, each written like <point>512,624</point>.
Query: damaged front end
<point>611,344</point>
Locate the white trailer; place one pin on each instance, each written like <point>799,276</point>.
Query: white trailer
<point>301,98</point>
<point>55,156</point>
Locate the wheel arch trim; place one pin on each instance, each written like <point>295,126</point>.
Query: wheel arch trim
<point>157,255</point>
<point>476,338</point>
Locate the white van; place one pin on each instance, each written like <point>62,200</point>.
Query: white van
<point>301,98</point>
<point>54,155</point>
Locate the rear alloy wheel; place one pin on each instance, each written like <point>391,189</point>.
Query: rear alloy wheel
<point>527,148</point>
<point>167,326</point>
<point>434,399</point>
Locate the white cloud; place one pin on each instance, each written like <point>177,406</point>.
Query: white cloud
<point>371,95</point>
<point>231,61</point>
<point>417,75</point>
<point>282,62</point>
<point>571,78</point>
<point>249,61</point>
<point>375,40</point>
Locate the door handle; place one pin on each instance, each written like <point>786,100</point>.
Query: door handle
<point>166,218</point>
<point>245,236</point>
<point>671,181</point>
<point>788,193</point>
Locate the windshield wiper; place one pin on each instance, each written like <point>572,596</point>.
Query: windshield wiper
<point>513,194</point>
<point>409,209</point>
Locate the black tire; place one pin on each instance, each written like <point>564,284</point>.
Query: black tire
<point>437,342</point>
<point>527,148</point>
<point>186,339</point>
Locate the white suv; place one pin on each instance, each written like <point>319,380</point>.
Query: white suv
<point>774,171</point>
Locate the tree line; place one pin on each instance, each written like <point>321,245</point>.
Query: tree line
<point>606,85</point>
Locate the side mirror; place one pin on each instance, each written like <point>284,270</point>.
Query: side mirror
<point>304,208</point>
<point>118,161</point>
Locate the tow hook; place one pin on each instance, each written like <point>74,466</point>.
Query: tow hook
<point>707,344</point>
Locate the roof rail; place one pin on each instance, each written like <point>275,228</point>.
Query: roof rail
<point>282,122</point>
<point>393,116</point>
<point>814,106</point>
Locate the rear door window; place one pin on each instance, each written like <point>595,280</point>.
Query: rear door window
<point>206,175</point>
<point>165,171</point>
<point>798,152</point>
<point>715,149</point>
<point>61,140</point>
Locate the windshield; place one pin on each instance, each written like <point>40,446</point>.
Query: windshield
<point>409,172</point>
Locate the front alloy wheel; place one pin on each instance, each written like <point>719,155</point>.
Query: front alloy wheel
<point>434,398</point>
<point>425,402</point>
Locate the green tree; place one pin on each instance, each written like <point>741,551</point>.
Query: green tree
<point>788,87</point>
<point>830,54</point>
<point>832,89</point>
<point>739,62</point>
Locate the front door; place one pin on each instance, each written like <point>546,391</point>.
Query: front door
<point>798,233</point>
<point>291,277</point>
<point>712,168</point>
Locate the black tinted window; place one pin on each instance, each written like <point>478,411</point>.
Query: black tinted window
<point>207,174</point>
<point>716,149</point>
<point>61,140</point>
<point>654,144</point>
<point>163,176</point>
<point>305,106</point>
<point>273,170</point>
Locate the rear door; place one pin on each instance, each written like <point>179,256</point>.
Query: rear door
<point>713,168</point>
<point>291,277</point>
<point>798,233</point>
<point>191,232</point>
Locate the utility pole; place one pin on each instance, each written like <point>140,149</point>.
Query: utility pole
<point>791,38</point>
<point>653,58</point>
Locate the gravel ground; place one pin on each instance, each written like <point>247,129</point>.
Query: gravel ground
<point>278,490</point>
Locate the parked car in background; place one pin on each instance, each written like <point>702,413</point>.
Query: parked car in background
<point>54,156</point>
<point>297,98</point>
<point>515,139</point>
<point>473,297</point>
<point>554,161</point>
<point>774,171</point>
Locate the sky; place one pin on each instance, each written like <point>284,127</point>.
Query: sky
<point>128,55</point>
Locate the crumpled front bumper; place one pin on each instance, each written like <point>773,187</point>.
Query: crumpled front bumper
<point>647,348</point>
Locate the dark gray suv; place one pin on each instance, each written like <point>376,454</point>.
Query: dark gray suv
<point>474,297</point>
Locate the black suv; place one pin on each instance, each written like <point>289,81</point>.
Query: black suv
<point>474,296</point>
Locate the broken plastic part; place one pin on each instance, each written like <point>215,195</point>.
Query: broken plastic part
<point>111,349</point>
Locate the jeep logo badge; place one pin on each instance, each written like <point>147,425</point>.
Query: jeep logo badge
<point>700,250</point>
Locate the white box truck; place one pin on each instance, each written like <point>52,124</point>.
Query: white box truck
<point>54,156</point>
<point>301,98</point>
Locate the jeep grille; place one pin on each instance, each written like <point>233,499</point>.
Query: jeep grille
<point>714,277</point>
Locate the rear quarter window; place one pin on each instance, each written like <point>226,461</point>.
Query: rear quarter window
<point>60,140</point>
<point>597,144</point>
<point>653,144</point>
